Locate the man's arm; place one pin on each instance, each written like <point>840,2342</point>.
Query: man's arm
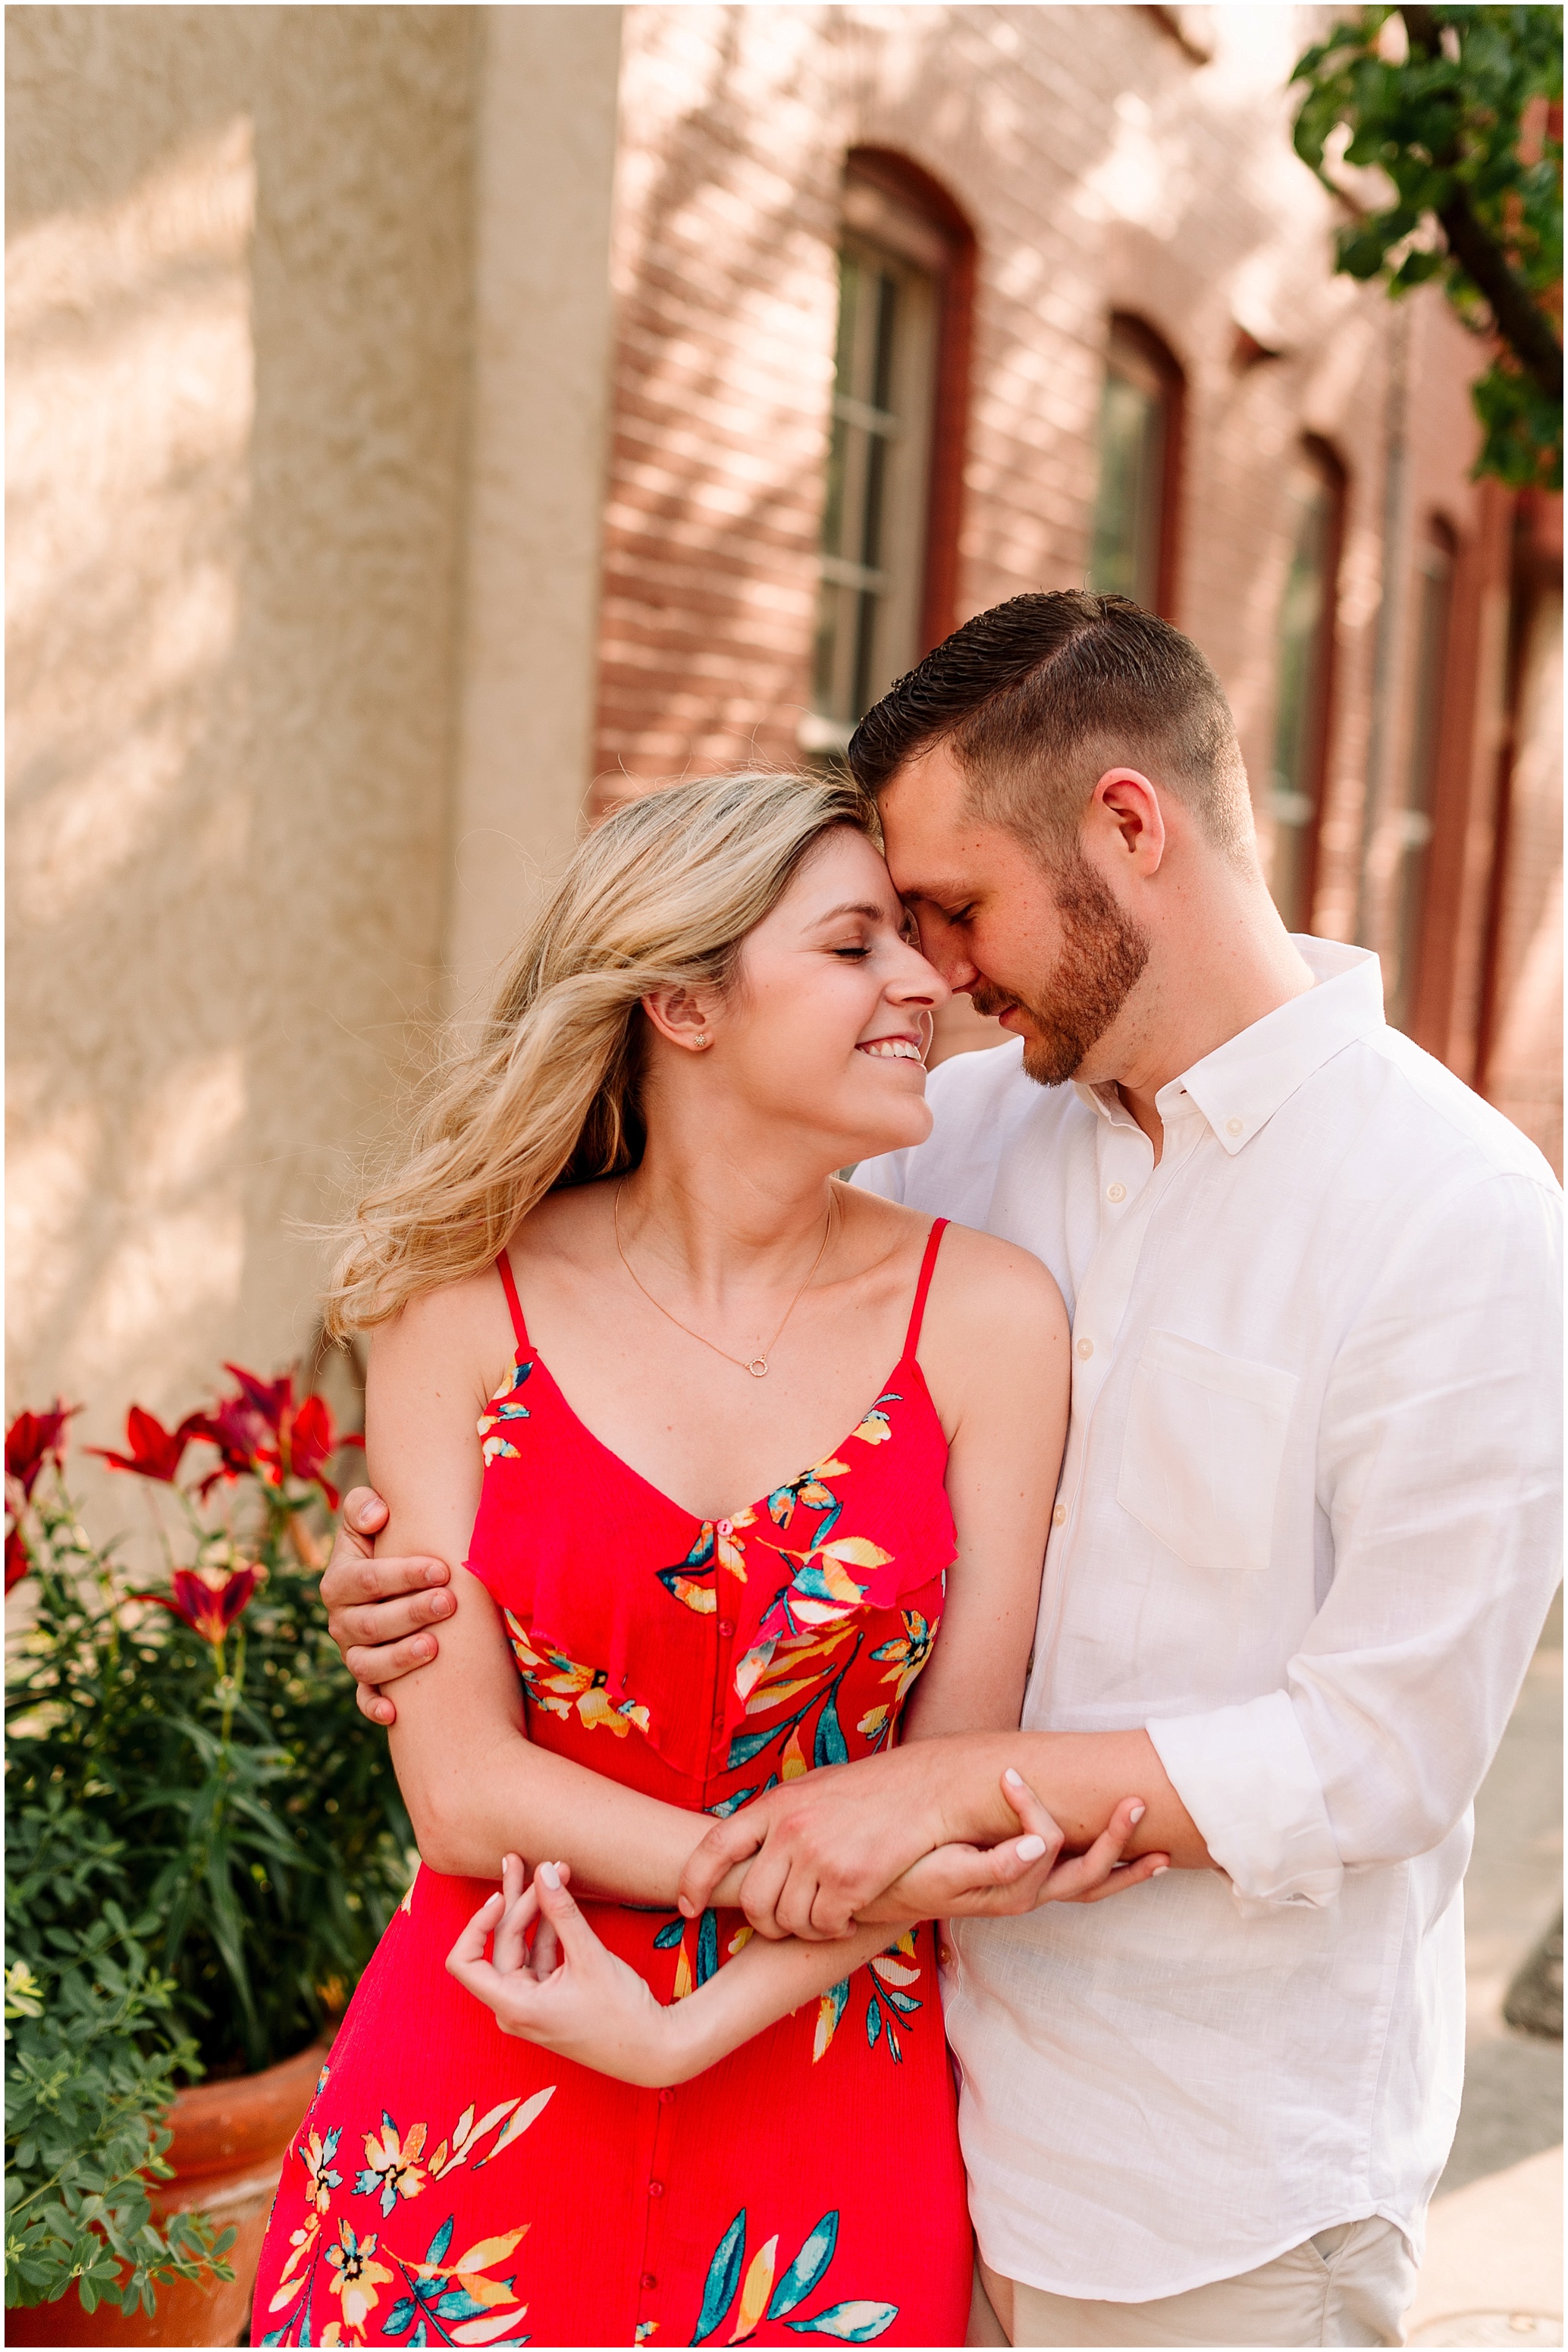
<point>1439,1474</point>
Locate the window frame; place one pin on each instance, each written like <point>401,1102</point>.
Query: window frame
<point>1320,457</point>
<point>890,205</point>
<point>1156,355</point>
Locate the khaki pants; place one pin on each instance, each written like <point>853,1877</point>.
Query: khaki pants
<point>1350,2285</point>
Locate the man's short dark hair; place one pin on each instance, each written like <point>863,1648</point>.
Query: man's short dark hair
<point>1038,696</point>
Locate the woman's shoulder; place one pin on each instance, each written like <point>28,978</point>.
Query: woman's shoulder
<point>996,1283</point>
<point>453,1328</point>
<point>980,1283</point>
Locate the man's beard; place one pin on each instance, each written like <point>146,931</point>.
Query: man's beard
<point>1102,959</point>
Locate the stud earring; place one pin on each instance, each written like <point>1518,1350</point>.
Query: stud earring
<point>701,1040</point>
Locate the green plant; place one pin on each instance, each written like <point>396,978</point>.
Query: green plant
<point>226,1839</point>
<point>1459,108</point>
<point>90,2060</point>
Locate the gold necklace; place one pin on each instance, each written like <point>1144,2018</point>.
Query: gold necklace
<point>758,1365</point>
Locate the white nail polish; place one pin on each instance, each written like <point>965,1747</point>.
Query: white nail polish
<point>1016,1779</point>
<point>550,1874</point>
<point>1158,1870</point>
<point>1031,1848</point>
<point>1138,1813</point>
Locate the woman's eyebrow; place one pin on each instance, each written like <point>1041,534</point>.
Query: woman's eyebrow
<point>866,907</point>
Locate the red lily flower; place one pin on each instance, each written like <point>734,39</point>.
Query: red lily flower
<point>155,1452</point>
<point>312,1442</point>
<point>17,1560</point>
<point>268,1400</point>
<point>208,1610</point>
<point>33,1439</point>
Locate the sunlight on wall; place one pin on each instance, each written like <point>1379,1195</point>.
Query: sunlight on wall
<point>129,423</point>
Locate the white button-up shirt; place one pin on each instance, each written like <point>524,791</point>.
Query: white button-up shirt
<point>1307,1533</point>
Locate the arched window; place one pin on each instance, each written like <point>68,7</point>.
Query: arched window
<point>1305,678</point>
<point>1141,402</point>
<point>1434,561</point>
<point>889,535</point>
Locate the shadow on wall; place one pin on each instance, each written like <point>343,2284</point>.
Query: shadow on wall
<point>236,248</point>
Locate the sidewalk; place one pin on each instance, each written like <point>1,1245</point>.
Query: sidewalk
<point>1493,2270</point>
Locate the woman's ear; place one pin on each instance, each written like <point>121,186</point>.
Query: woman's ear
<point>683,1017</point>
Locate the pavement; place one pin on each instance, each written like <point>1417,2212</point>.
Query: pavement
<point>1493,2268</point>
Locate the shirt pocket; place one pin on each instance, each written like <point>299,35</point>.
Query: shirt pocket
<point>1202,1454</point>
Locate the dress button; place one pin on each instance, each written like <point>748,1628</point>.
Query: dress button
<point>1086,1348</point>
<point>1236,1126</point>
<point>1116,1191</point>
<point>726,1627</point>
<point>1059,1516</point>
<point>666,2095</point>
<point>726,1528</point>
<point>656,2189</point>
<point>648,2282</point>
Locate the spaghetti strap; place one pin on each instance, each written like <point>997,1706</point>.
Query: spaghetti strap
<point>928,1268</point>
<point>503,1267</point>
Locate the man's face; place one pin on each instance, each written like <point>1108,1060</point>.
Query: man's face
<point>1048,951</point>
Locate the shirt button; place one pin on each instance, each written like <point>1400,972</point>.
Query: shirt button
<point>1059,1516</point>
<point>1086,1348</point>
<point>666,2095</point>
<point>648,2282</point>
<point>1236,1126</point>
<point>726,1528</point>
<point>726,1627</point>
<point>1116,1191</point>
<point>656,2189</point>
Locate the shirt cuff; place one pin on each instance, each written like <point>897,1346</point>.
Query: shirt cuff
<point>1246,1777</point>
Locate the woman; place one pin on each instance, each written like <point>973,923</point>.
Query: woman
<point>620,1247</point>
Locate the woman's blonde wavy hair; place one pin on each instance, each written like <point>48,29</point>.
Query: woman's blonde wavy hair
<point>660,897</point>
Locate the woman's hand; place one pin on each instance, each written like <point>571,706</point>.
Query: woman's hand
<point>568,1993</point>
<point>1020,1874</point>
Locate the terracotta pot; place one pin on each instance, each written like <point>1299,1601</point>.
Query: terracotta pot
<point>227,2151</point>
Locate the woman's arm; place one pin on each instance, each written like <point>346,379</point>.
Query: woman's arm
<point>996,1356</point>
<point>572,1995</point>
<point>474,1785</point>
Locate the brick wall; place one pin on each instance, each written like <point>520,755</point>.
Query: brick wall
<point>1104,164</point>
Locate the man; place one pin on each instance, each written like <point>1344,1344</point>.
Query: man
<point>1303,1545</point>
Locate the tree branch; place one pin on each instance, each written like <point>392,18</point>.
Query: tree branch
<point>1522,326</point>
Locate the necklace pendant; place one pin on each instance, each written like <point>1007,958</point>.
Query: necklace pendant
<point>758,1368</point>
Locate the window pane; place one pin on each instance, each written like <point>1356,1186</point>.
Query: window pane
<point>1125,560</point>
<point>874,515</point>
<point>1306,622</point>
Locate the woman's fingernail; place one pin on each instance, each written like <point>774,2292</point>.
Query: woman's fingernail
<point>1158,1870</point>
<point>1014,1778</point>
<point>1031,1848</point>
<point>491,1900</point>
<point>441,1603</point>
<point>1138,1813</point>
<point>550,1874</point>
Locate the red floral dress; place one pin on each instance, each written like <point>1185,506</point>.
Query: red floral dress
<point>451,2185</point>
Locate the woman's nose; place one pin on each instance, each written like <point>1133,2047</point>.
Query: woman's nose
<point>919,982</point>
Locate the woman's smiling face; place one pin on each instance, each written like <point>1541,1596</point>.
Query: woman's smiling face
<point>828,1021</point>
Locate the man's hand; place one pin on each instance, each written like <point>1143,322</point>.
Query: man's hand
<point>376,1608</point>
<point>1002,1882</point>
<point>821,1847</point>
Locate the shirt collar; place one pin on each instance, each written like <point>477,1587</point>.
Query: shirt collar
<point>1241,1086</point>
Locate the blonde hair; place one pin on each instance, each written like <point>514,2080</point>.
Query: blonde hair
<point>660,897</point>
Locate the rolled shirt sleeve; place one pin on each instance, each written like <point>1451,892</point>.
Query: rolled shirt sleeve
<point>1438,1485</point>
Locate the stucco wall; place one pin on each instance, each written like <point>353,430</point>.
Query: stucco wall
<point>238,283</point>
